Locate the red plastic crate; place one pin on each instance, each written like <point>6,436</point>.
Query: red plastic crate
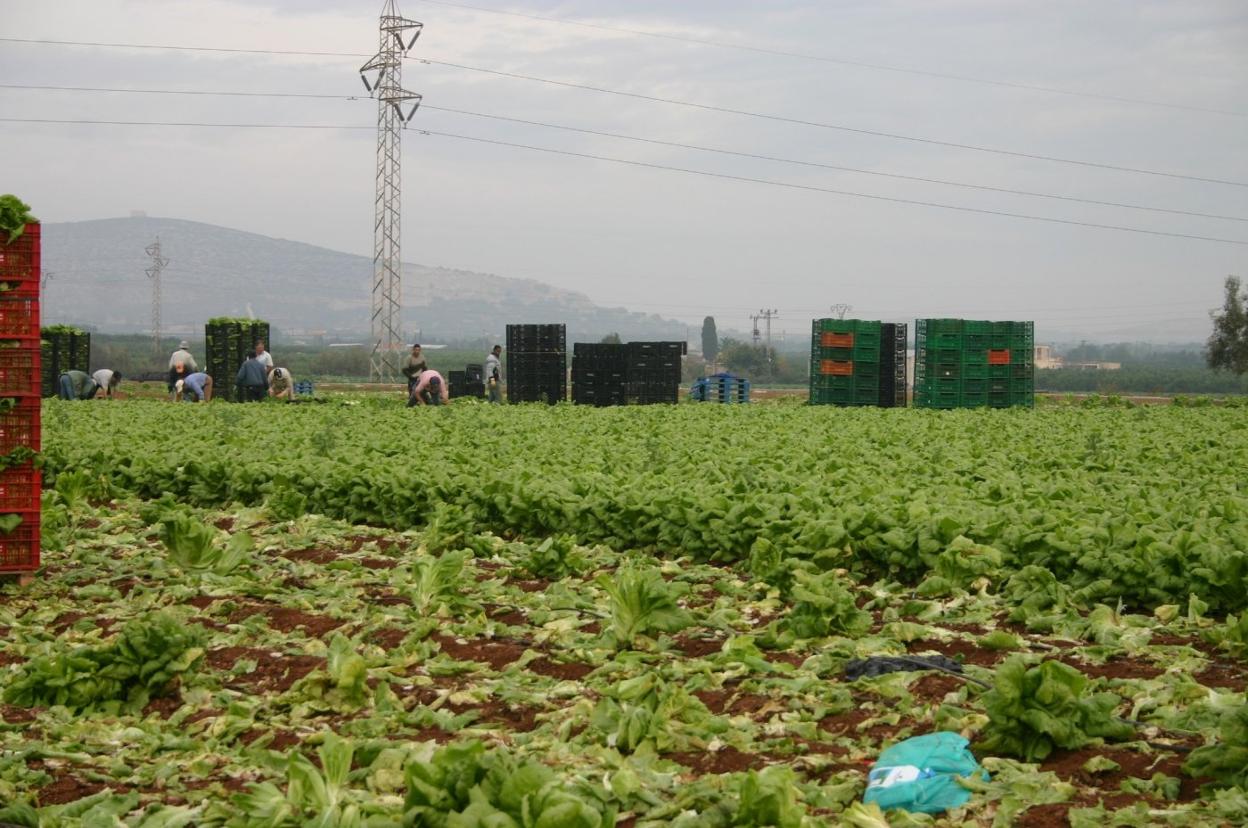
<point>19,371</point>
<point>19,316</point>
<point>19,550</point>
<point>836,368</point>
<point>836,340</point>
<point>20,488</point>
<point>21,260</point>
<point>19,426</point>
<point>999,356</point>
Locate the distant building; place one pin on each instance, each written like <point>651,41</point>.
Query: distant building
<point>1045,358</point>
<point>1096,366</point>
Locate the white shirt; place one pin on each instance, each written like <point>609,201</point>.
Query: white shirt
<point>185,358</point>
<point>265,359</point>
<point>102,378</point>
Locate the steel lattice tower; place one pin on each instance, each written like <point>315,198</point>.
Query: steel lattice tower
<point>153,273</point>
<point>387,307</point>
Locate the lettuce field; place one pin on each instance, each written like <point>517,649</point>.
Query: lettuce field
<point>353,614</point>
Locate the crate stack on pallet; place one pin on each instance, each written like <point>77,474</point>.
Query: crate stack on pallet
<point>537,363</point>
<point>856,362</point>
<point>599,373</point>
<point>227,342</point>
<point>964,363</point>
<point>20,400</point>
<point>721,388</point>
<point>62,348</point>
<point>653,370</point>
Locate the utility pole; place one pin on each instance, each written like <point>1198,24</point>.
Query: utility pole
<point>153,273</point>
<point>767,316</point>
<point>392,98</point>
<point>840,310</point>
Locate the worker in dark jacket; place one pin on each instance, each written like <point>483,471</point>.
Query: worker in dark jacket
<point>252,380</point>
<point>76,385</point>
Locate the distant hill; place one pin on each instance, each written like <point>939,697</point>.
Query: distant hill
<point>98,279</point>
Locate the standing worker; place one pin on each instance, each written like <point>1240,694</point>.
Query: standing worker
<point>183,355</point>
<point>264,357</point>
<point>252,380</point>
<point>281,384</point>
<point>412,370</point>
<point>430,389</point>
<point>76,385</point>
<point>107,380</point>
<point>196,387</point>
<point>494,374</point>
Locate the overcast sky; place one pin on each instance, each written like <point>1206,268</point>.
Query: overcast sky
<point>673,243</point>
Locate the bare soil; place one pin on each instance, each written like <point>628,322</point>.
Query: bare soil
<point>497,654</point>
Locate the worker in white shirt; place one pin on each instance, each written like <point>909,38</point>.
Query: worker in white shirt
<point>107,380</point>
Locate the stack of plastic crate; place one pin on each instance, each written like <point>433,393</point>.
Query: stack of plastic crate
<point>20,392</point>
<point>654,372</point>
<point>537,363</point>
<point>845,362</point>
<point>63,348</point>
<point>600,373</point>
<point>965,363</point>
<point>227,342</point>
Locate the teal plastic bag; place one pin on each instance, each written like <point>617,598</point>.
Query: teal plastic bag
<point>920,774</point>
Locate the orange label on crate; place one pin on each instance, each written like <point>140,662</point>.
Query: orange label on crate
<point>836,368</point>
<point>999,357</point>
<point>836,340</point>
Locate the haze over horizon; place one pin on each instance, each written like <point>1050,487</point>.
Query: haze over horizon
<point>671,243</point>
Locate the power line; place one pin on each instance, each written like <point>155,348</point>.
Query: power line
<point>197,92</point>
<point>762,50</point>
<point>813,188</point>
<point>663,167</point>
<point>639,139</point>
<point>669,101</point>
<point>838,127</point>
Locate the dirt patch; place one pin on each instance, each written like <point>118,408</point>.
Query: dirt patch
<point>11,658</point>
<point>935,686</point>
<point>431,734</point>
<point>378,563</point>
<point>273,673</point>
<point>851,721</point>
<point>965,651</point>
<point>1069,766</point>
<point>316,556</point>
<point>732,703</point>
<point>282,739</point>
<point>724,760</point>
<point>564,671</point>
<point>200,715</point>
<point>67,788</point>
<point>387,598</point>
<point>794,659</point>
<point>695,647</point>
<point>1116,668</point>
<point>388,639</point>
<point>225,524</point>
<point>201,602</point>
<point>163,707</point>
<point>1222,675</point>
<point>517,719</point>
<point>66,620</point>
<point>972,629</point>
<point>497,654</point>
<point>18,715</point>
<point>286,619</point>
<point>1056,815</point>
<point>534,585</point>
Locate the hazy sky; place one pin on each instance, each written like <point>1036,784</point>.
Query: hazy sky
<point>673,243</point>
